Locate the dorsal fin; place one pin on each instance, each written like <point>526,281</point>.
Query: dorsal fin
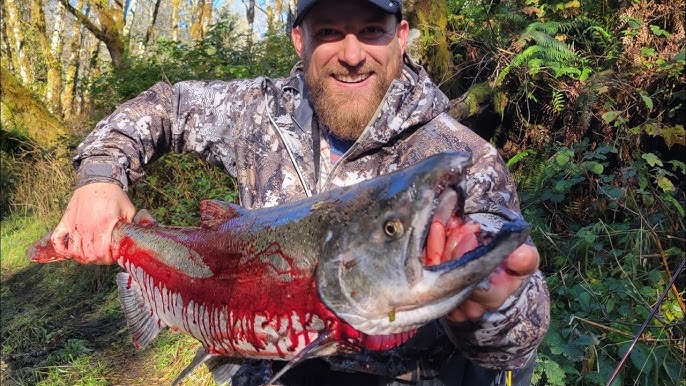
<point>144,218</point>
<point>143,322</point>
<point>213,213</point>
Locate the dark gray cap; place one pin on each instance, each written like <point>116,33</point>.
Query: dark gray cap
<point>389,6</point>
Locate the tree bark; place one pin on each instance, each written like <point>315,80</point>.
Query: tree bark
<point>73,63</point>
<point>129,13</point>
<point>54,74</point>
<point>430,17</point>
<point>111,30</point>
<point>202,15</point>
<point>150,31</point>
<point>472,102</point>
<point>14,24</point>
<point>250,18</point>
<point>23,112</point>
<point>175,20</point>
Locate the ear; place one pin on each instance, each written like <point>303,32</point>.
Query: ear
<point>298,41</point>
<point>402,33</point>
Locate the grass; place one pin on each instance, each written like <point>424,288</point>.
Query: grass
<point>61,324</point>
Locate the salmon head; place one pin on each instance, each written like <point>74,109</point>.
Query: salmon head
<point>371,270</point>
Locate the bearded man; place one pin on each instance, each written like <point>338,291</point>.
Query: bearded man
<point>356,106</point>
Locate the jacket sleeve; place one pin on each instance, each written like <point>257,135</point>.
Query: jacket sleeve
<point>188,116</point>
<point>506,338</point>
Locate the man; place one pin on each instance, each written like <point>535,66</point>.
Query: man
<point>355,107</point>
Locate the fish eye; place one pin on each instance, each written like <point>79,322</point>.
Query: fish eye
<point>393,228</point>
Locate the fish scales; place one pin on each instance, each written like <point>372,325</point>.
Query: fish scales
<point>338,272</point>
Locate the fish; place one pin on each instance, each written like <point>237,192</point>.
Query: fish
<point>337,272</point>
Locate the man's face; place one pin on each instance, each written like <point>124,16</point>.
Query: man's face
<point>351,52</point>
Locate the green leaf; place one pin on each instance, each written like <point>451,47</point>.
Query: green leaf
<point>584,300</point>
<point>647,52</point>
<point>634,23</point>
<point>612,191</point>
<point>665,184</point>
<point>610,116</point>
<point>648,101</point>
<point>659,31</point>
<point>594,167</point>
<point>562,158</point>
<point>640,357</point>
<point>669,198</point>
<point>554,341</point>
<point>674,370</point>
<point>652,159</point>
<point>555,375</point>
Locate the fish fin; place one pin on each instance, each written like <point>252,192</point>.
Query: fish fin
<point>144,218</point>
<point>201,356</point>
<point>223,368</point>
<point>308,352</point>
<point>144,324</point>
<point>213,213</point>
<point>44,252</point>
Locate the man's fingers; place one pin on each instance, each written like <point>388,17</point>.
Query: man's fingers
<point>468,310</point>
<point>75,249</point>
<point>523,261</point>
<point>88,245</point>
<point>102,247</point>
<point>60,239</point>
<point>502,285</point>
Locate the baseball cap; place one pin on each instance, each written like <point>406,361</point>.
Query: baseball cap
<point>389,6</point>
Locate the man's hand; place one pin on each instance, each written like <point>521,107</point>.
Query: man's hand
<point>504,281</point>
<point>85,231</point>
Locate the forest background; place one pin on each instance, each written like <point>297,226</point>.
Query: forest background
<point>584,99</point>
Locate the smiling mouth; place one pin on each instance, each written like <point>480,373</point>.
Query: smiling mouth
<point>352,78</point>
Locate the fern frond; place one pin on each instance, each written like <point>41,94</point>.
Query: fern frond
<point>558,100</point>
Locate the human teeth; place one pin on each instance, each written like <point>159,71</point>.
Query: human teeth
<point>351,78</point>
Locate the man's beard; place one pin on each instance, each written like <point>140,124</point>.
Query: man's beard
<point>346,113</point>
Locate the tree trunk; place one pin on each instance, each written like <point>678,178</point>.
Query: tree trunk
<point>150,32</point>
<point>250,18</point>
<point>111,29</point>
<point>71,73</point>
<point>22,112</point>
<point>202,14</point>
<point>129,14</point>
<point>430,17</point>
<point>54,78</point>
<point>471,103</point>
<point>175,20</point>
<point>14,24</point>
<point>90,70</point>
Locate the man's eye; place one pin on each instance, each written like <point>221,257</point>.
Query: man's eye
<point>372,32</point>
<point>327,34</point>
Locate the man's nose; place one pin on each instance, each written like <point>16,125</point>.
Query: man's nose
<point>352,52</point>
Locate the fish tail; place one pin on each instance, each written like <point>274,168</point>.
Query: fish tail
<point>43,251</point>
<point>144,323</point>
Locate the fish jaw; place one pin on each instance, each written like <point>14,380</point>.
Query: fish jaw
<point>373,277</point>
<point>441,287</point>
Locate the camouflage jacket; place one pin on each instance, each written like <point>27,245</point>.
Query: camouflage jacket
<point>261,132</point>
